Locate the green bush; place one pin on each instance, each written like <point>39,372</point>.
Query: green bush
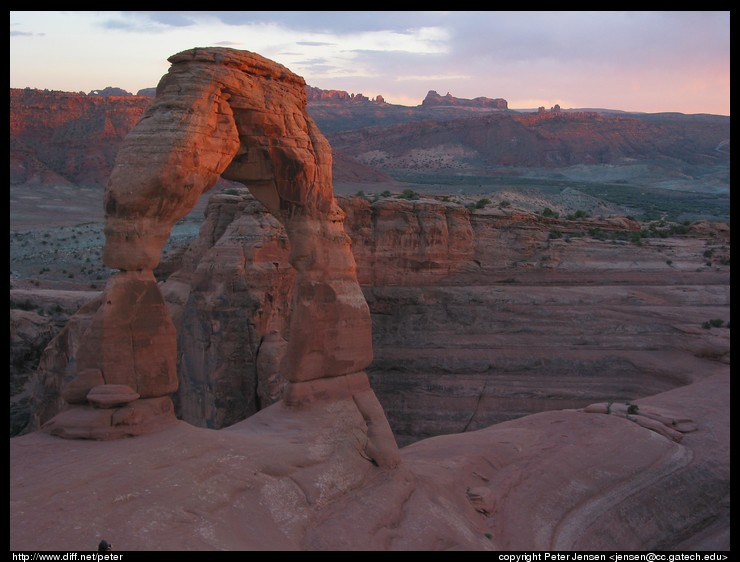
<point>597,233</point>
<point>579,214</point>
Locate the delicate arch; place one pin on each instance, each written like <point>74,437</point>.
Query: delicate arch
<point>224,112</point>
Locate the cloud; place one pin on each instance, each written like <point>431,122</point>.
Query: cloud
<point>119,25</point>
<point>659,60</point>
<point>315,43</point>
<point>427,77</point>
<point>167,19</point>
<point>333,22</point>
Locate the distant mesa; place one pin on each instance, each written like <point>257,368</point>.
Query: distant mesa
<point>342,97</point>
<point>433,99</point>
<point>315,95</point>
<point>554,109</point>
<point>147,92</point>
<point>109,92</point>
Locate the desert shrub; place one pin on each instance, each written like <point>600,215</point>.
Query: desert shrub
<point>555,233</point>
<point>597,233</point>
<point>409,194</point>
<point>579,214</point>
<point>714,323</point>
<point>548,212</point>
<point>678,229</point>
<point>26,305</point>
<point>482,203</point>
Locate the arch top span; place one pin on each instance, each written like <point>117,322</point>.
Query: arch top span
<point>247,62</point>
<point>221,112</point>
<point>217,112</point>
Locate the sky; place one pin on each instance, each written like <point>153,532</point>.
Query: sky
<point>632,61</point>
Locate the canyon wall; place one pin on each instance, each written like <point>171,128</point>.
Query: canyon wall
<point>69,138</point>
<point>64,138</point>
<point>478,315</point>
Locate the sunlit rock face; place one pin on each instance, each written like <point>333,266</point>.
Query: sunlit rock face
<point>221,112</point>
<point>65,138</point>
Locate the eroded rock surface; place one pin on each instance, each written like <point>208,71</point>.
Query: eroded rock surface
<point>292,479</point>
<point>478,317</point>
<point>221,112</point>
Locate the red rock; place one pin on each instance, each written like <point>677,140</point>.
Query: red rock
<point>77,390</point>
<point>68,138</point>
<point>132,339</point>
<point>295,479</point>
<point>218,112</point>
<point>111,395</point>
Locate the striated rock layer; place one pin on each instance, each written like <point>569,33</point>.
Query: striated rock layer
<point>63,138</point>
<point>232,114</point>
<point>478,317</point>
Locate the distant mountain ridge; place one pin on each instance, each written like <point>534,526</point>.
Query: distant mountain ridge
<point>317,95</point>
<point>544,139</point>
<point>433,99</point>
<point>64,138</point>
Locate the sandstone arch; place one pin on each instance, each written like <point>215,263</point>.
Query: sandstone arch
<point>221,112</point>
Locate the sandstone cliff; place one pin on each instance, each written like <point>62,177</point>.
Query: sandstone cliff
<point>61,137</point>
<point>550,140</point>
<point>433,99</point>
<point>479,315</point>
